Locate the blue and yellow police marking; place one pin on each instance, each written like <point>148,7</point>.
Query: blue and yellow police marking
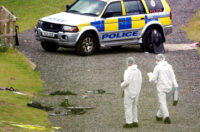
<point>121,35</point>
<point>133,22</point>
<point>119,23</point>
<point>125,23</point>
<point>111,24</point>
<point>164,19</point>
<point>81,26</point>
<point>99,25</point>
<point>138,21</point>
<point>149,20</point>
<point>129,22</point>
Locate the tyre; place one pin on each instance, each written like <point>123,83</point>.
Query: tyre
<point>49,46</point>
<point>86,45</point>
<point>153,42</point>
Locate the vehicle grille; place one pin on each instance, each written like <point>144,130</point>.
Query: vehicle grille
<point>55,37</point>
<point>51,27</point>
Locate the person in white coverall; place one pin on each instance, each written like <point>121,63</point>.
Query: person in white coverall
<point>163,75</point>
<point>132,84</point>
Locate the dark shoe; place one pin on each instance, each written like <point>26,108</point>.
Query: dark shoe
<point>127,126</point>
<point>167,120</point>
<point>175,103</point>
<point>135,124</point>
<point>158,118</point>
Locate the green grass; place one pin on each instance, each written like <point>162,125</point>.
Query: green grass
<point>15,71</point>
<point>198,50</point>
<point>193,28</point>
<point>3,47</point>
<point>30,11</point>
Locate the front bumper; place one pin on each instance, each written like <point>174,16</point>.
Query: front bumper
<point>65,39</point>
<point>168,29</point>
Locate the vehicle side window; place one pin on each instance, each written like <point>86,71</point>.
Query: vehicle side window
<point>114,9</point>
<point>134,7</point>
<point>154,6</point>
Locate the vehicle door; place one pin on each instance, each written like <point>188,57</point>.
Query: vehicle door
<point>111,18</point>
<point>135,16</point>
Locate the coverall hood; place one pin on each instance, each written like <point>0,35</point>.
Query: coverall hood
<point>163,63</point>
<point>133,67</point>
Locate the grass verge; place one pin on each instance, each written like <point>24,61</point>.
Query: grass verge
<point>15,71</point>
<point>29,12</point>
<point>198,50</point>
<point>193,29</point>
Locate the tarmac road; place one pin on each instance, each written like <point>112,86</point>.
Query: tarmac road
<point>64,70</point>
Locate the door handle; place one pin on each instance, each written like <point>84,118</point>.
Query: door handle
<point>121,21</point>
<point>142,18</point>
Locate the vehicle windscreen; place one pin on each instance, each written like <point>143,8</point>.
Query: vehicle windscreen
<point>87,7</point>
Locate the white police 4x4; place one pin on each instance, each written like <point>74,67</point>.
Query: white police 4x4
<point>89,24</point>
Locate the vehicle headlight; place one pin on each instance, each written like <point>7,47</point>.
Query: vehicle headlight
<point>70,29</point>
<point>39,25</point>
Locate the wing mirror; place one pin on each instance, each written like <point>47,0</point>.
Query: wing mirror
<point>68,7</point>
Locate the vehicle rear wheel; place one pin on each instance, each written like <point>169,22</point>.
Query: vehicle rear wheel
<point>153,41</point>
<point>86,45</point>
<point>49,46</point>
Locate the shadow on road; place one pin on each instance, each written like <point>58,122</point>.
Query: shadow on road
<point>102,51</point>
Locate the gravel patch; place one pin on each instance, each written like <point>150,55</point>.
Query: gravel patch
<point>182,12</point>
<point>64,70</point>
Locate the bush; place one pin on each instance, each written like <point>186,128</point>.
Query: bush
<point>3,47</point>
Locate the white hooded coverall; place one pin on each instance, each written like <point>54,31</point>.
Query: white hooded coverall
<point>164,77</point>
<point>132,85</point>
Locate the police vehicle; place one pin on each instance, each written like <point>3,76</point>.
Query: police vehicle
<point>87,25</point>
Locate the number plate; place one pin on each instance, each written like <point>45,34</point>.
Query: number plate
<point>48,34</point>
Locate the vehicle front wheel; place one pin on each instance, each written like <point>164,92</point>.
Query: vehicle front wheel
<point>153,41</point>
<point>86,45</point>
<point>49,46</point>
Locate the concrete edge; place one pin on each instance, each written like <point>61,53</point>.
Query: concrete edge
<point>176,47</point>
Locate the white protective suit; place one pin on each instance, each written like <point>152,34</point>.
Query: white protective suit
<point>164,77</point>
<point>132,85</point>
